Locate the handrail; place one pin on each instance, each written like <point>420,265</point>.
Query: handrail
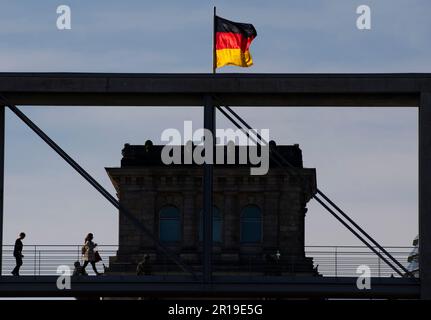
<point>330,260</point>
<point>116,245</point>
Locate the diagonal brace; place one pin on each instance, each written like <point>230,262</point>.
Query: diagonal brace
<point>122,210</point>
<point>328,200</point>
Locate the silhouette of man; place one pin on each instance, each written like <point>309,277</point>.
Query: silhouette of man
<point>144,267</point>
<point>17,253</point>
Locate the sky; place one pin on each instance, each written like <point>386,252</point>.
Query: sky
<point>366,158</point>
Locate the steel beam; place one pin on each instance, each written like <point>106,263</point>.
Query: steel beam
<point>207,217</point>
<point>424,194</point>
<point>103,89</point>
<point>2,138</point>
<point>222,287</point>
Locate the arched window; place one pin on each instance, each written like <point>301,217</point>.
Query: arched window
<point>251,224</point>
<point>217,226</point>
<point>169,224</point>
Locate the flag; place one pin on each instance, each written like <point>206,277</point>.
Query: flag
<point>232,42</point>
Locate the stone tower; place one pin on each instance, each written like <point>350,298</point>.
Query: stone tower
<point>258,223</point>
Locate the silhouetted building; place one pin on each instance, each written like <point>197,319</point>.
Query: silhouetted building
<point>258,222</point>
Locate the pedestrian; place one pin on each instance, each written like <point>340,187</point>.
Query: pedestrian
<point>144,267</point>
<point>17,253</point>
<point>89,255</point>
<point>78,269</point>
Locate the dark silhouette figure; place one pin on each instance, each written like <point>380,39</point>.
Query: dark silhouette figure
<point>272,265</point>
<point>89,255</point>
<point>144,267</point>
<point>78,270</point>
<point>17,253</point>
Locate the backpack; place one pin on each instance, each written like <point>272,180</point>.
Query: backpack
<point>83,250</point>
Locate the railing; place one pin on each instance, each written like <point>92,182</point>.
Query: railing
<point>41,260</point>
<point>343,261</point>
<point>334,261</point>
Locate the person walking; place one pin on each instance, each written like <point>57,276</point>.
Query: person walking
<point>17,253</point>
<point>144,267</point>
<point>89,254</point>
<point>78,270</point>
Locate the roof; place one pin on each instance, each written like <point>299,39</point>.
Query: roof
<point>149,155</point>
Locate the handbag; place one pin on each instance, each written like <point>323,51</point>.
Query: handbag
<point>97,256</point>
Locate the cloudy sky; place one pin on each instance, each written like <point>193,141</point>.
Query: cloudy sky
<point>366,158</point>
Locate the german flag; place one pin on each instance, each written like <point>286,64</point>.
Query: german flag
<point>232,42</point>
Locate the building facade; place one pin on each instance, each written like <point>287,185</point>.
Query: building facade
<point>258,221</point>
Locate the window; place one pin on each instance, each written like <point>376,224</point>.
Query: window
<point>169,224</point>
<point>217,226</point>
<point>251,224</point>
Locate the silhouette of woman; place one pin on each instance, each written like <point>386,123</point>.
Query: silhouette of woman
<point>89,255</point>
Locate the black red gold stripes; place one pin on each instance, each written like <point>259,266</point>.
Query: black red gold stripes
<point>232,42</point>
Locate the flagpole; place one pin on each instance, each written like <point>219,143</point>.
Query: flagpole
<point>214,42</point>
